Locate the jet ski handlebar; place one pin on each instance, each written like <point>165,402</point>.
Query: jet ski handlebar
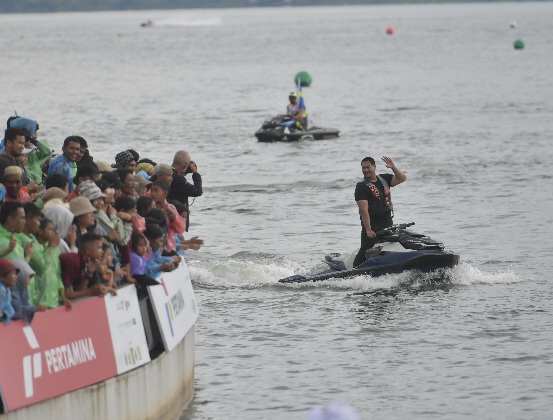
<point>394,228</point>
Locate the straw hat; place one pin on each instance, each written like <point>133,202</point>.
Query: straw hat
<point>139,179</point>
<point>81,205</point>
<point>162,168</point>
<point>104,166</point>
<point>53,192</point>
<point>54,202</point>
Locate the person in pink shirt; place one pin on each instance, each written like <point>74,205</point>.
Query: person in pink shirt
<point>175,223</point>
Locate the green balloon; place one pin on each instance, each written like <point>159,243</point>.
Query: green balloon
<point>518,44</point>
<point>303,77</point>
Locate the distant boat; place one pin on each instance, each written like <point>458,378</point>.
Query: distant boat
<point>147,23</point>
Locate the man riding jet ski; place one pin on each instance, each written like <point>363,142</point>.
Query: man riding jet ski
<point>400,250</point>
<point>293,125</point>
<point>395,250</point>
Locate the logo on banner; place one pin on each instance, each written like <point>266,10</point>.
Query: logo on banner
<point>57,359</point>
<point>173,306</point>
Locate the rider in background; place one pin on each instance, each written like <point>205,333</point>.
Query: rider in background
<point>294,111</point>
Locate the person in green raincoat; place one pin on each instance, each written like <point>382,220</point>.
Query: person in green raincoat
<point>12,223</point>
<point>41,149</point>
<point>48,287</point>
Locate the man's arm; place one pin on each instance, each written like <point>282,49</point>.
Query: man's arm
<point>399,176</point>
<point>365,218</point>
<point>96,290</point>
<point>181,187</point>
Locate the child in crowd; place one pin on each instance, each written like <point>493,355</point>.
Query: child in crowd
<point>155,262</point>
<point>106,265</point>
<point>175,223</point>
<point>83,211</point>
<point>138,253</point>
<point>49,288</point>
<point>62,220</point>
<point>143,205</point>
<point>80,272</point>
<point>23,309</point>
<point>8,279</point>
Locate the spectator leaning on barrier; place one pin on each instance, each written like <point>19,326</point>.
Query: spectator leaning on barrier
<point>80,271</point>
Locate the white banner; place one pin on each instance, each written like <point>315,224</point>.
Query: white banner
<point>174,305</point>
<point>127,329</point>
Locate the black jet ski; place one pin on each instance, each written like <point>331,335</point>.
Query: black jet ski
<point>272,130</point>
<point>397,249</point>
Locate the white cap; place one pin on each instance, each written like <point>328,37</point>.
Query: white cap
<point>31,148</point>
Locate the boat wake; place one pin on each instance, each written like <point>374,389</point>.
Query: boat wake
<point>255,270</point>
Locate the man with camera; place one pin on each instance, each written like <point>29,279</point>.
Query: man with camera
<point>181,189</point>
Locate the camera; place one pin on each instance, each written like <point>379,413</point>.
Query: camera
<point>188,170</point>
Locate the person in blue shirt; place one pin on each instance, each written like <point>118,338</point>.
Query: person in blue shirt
<point>65,164</point>
<point>8,279</point>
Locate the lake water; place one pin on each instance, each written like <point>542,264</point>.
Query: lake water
<point>466,117</point>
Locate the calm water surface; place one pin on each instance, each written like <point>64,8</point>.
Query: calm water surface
<point>467,118</point>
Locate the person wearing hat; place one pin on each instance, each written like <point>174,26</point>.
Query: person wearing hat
<point>21,298</point>
<point>12,224</point>
<point>62,220</point>
<point>8,279</point>
<point>145,168</point>
<point>125,160</point>
<point>38,151</point>
<point>13,181</point>
<point>80,271</point>
<point>141,185</point>
<point>162,172</point>
<point>65,163</point>
<point>83,213</point>
<point>113,180</point>
<point>84,173</point>
<point>15,144</point>
<point>53,192</point>
<point>104,166</point>
<point>107,220</point>
<point>295,112</point>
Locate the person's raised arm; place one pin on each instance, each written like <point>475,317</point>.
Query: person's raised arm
<point>399,176</point>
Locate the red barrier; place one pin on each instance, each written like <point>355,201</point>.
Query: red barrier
<point>60,352</point>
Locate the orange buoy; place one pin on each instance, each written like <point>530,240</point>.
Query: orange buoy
<point>390,31</point>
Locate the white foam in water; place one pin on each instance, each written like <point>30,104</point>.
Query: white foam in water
<point>180,21</point>
<point>240,273</point>
<point>233,272</point>
<point>465,274</point>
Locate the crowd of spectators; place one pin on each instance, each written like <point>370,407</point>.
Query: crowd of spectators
<point>72,226</point>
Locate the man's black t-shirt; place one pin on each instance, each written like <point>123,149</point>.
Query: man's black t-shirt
<point>379,212</point>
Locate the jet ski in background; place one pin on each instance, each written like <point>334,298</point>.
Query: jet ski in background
<point>397,250</point>
<point>273,130</point>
